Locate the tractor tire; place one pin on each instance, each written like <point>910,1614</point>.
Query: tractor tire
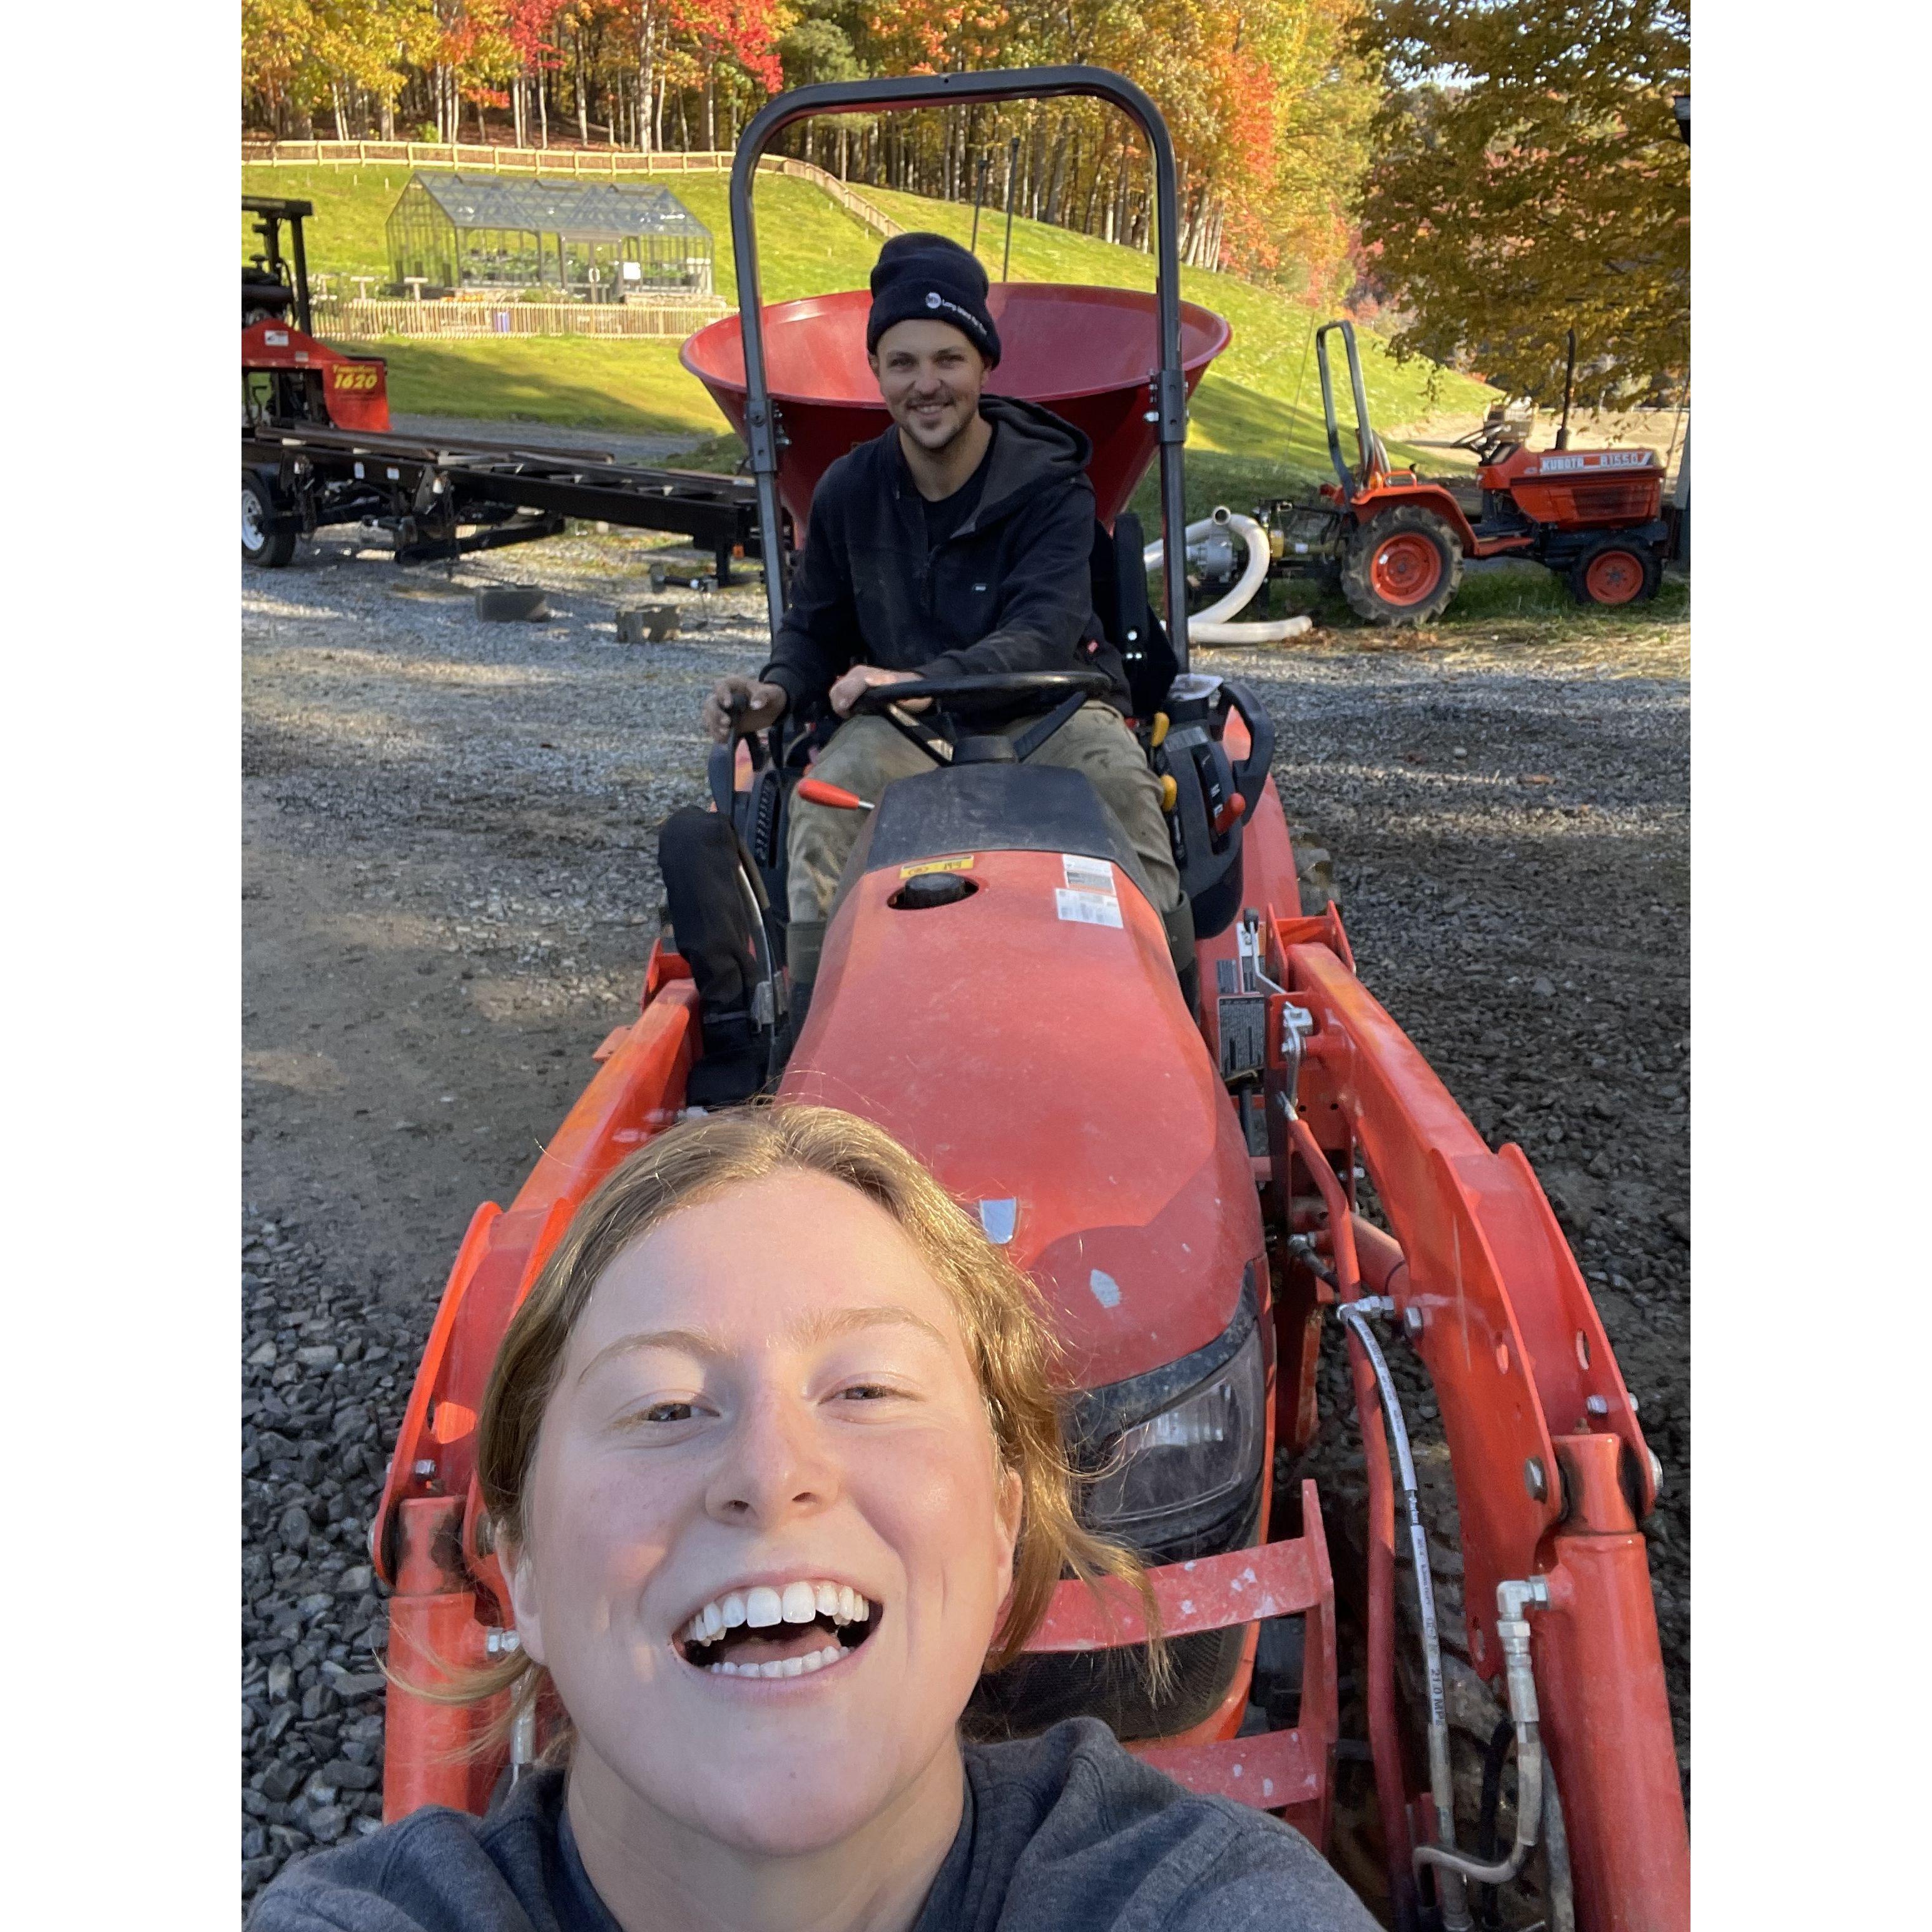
<point>1615,571</point>
<point>1402,566</point>
<point>269,548</point>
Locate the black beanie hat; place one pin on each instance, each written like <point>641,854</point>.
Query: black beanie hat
<point>925,277</point>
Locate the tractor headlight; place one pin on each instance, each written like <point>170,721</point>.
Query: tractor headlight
<point>1193,1458</point>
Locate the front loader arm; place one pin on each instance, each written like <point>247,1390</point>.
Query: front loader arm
<point>1551,1472</point>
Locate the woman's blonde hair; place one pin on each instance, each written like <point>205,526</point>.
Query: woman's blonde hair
<point>1013,1351</point>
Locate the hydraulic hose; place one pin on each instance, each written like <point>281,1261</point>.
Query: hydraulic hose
<point>1211,626</point>
<point>1556,1856</point>
<point>1384,1736</point>
<point>1561,1887</point>
<point>1441,1782</point>
<point>1513,1600</point>
<point>1494,1758</point>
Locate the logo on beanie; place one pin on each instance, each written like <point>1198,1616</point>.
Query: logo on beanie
<point>932,297</point>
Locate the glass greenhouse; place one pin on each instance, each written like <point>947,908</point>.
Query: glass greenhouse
<point>586,241</point>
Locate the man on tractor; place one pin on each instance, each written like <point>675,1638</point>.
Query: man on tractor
<point>959,542</point>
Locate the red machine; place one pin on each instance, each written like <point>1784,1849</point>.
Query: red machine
<point>287,376</point>
<point>816,368</point>
<point>316,450</point>
<point>997,991</point>
<point>1394,542</point>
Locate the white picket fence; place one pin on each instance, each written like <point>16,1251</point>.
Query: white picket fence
<point>362,320</point>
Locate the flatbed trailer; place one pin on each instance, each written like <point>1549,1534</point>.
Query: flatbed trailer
<point>317,450</point>
<point>442,498</point>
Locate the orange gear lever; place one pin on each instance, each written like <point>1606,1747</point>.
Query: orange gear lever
<point>1229,812</point>
<point>816,791</point>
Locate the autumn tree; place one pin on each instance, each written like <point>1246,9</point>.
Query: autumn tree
<point>1526,178</point>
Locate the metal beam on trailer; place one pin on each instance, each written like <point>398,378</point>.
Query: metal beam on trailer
<point>719,513</point>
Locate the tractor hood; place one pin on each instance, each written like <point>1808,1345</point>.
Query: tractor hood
<point>1012,1016</point>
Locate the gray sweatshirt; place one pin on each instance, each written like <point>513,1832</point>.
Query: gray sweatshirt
<point>1062,1833</point>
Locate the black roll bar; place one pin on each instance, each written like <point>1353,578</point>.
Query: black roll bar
<point>1363,431</point>
<point>1168,398</point>
<point>273,210</point>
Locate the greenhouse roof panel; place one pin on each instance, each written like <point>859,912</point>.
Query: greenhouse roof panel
<point>599,211</point>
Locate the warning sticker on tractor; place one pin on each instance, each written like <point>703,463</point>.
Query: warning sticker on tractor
<point>1242,1019</point>
<point>1085,908</point>
<point>1093,875</point>
<point>964,865</point>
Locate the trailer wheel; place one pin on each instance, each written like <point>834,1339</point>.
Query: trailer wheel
<point>1402,566</point>
<point>1614,571</point>
<point>261,543</point>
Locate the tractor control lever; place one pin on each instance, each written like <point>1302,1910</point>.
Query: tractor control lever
<point>816,791</point>
<point>1229,814</point>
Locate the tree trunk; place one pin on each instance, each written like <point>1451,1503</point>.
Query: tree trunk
<point>710,111</point>
<point>1057,176</point>
<point>543,105</point>
<point>647,58</point>
<point>388,117</point>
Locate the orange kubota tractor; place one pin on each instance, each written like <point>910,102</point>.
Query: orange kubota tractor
<point>1394,542</point>
<point>1181,1176</point>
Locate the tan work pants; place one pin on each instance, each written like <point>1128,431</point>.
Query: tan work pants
<point>867,753</point>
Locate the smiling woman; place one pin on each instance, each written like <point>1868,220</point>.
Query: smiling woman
<point>773,1458</point>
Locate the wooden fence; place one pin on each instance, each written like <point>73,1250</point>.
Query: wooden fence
<point>358,320</point>
<point>490,158</point>
<point>608,163</point>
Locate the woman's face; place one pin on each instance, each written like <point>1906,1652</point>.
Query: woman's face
<point>767,1432</point>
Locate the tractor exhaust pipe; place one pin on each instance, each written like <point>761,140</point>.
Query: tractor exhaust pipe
<point>1569,390</point>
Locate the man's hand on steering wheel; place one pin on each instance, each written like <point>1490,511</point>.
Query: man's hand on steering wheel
<point>739,706</point>
<point>845,693</point>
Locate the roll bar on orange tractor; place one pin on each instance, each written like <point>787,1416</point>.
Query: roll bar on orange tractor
<point>1167,399</point>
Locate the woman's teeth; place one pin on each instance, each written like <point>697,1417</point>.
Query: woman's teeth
<point>790,1666</point>
<point>762,1606</point>
<point>751,1626</point>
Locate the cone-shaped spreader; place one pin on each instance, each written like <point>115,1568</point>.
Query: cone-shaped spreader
<point>1085,353</point>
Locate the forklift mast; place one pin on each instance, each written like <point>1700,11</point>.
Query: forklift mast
<point>272,211</point>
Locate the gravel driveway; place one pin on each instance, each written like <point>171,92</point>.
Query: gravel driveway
<point>450,868</point>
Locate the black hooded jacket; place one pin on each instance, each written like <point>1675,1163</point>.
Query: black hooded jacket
<point>1010,590</point>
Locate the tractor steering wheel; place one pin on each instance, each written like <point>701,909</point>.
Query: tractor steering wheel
<point>963,696</point>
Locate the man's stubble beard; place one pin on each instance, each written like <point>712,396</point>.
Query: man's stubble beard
<point>960,428</point>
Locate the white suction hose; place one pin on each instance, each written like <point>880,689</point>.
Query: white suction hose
<point>1211,626</point>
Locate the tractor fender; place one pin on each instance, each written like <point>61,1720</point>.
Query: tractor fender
<point>1430,497</point>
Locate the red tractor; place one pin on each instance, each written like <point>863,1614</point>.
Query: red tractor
<point>1184,1178</point>
<point>289,379</point>
<point>1394,542</point>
